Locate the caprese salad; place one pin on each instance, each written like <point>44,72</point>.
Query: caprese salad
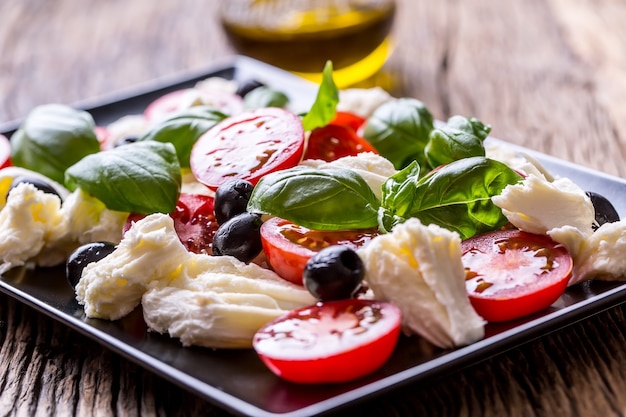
<point>314,238</point>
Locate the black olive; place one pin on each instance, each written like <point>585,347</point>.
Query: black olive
<point>605,212</point>
<point>127,140</point>
<point>334,273</point>
<point>83,255</point>
<point>231,199</point>
<point>36,182</point>
<point>239,237</point>
<point>246,86</point>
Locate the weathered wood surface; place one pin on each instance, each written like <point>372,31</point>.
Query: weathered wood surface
<point>550,75</point>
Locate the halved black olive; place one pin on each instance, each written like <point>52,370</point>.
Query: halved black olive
<point>36,182</point>
<point>248,85</point>
<point>605,212</point>
<point>83,255</point>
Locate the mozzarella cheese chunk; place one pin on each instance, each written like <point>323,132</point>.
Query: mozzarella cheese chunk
<point>207,318</point>
<point>223,306</point>
<point>213,301</point>
<point>514,159</point>
<point>85,220</point>
<point>125,126</point>
<point>601,255</point>
<point>90,221</point>
<point>218,84</point>
<point>538,206</point>
<point>561,210</point>
<point>38,227</point>
<point>27,220</point>
<point>362,101</point>
<point>419,269</point>
<point>7,175</point>
<point>150,254</point>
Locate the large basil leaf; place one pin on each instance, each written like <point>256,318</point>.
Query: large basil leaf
<point>52,138</point>
<point>325,106</point>
<point>470,125</point>
<point>398,190</point>
<point>399,130</point>
<point>142,177</point>
<point>447,144</point>
<point>183,129</point>
<point>328,199</point>
<point>456,196</point>
<point>264,96</point>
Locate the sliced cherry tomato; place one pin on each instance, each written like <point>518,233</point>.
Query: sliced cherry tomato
<point>102,133</point>
<point>332,142</point>
<point>5,152</point>
<point>288,247</point>
<point>334,341</point>
<point>511,274</point>
<point>248,146</point>
<point>351,120</point>
<point>169,103</point>
<point>194,222</point>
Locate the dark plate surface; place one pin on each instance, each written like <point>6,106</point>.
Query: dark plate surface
<point>237,380</point>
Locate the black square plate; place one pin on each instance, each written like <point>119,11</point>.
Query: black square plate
<point>236,379</point>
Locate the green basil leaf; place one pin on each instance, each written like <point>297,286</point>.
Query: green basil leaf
<point>320,199</point>
<point>399,130</point>
<point>447,144</point>
<point>52,138</point>
<point>470,125</point>
<point>183,130</point>
<point>397,192</point>
<point>265,97</point>
<point>142,177</point>
<point>456,196</point>
<point>398,189</point>
<point>325,106</point>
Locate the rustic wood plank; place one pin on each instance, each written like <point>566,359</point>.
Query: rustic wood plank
<point>545,74</point>
<point>99,47</point>
<point>596,33</point>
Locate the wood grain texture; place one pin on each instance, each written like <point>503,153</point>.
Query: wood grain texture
<point>550,75</point>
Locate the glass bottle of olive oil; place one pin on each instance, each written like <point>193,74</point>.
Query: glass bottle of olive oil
<point>301,35</point>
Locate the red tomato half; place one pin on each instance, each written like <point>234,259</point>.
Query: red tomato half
<point>103,134</point>
<point>5,152</point>
<point>194,222</point>
<point>332,142</point>
<point>169,103</point>
<point>288,247</point>
<point>248,146</point>
<point>351,120</point>
<point>511,274</point>
<point>335,341</point>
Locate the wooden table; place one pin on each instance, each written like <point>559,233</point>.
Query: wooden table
<point>549,75</point>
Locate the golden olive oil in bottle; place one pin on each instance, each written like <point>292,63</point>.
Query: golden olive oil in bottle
<point>301,35</point>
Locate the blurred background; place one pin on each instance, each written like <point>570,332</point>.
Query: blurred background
<point>511,64</point>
